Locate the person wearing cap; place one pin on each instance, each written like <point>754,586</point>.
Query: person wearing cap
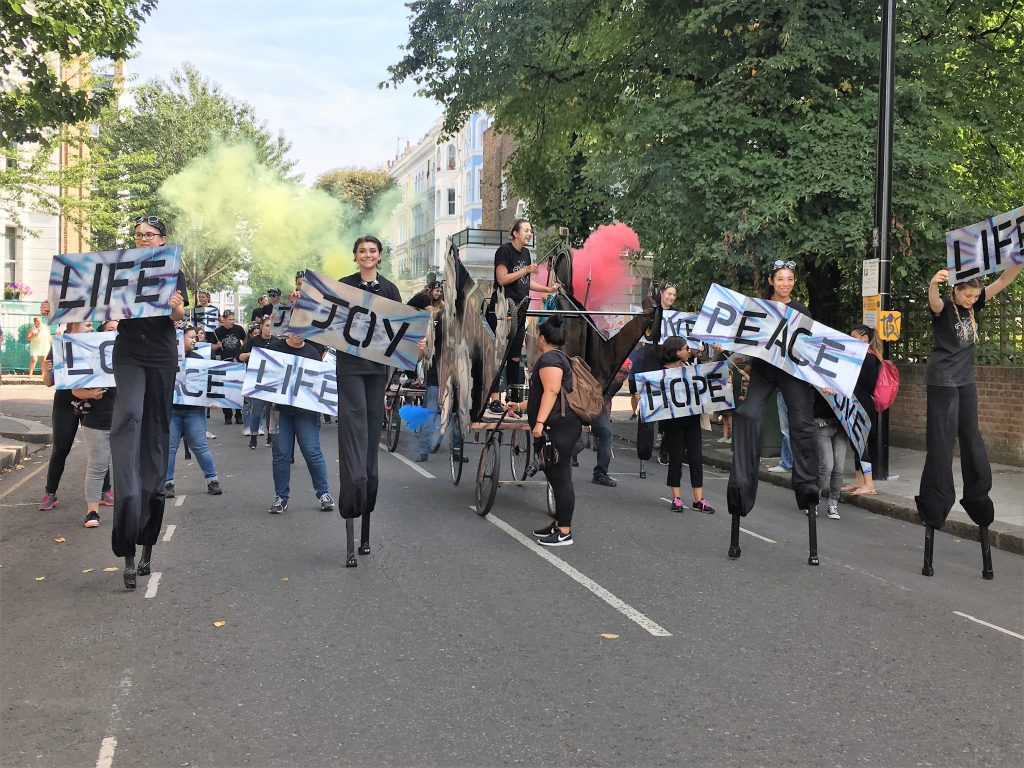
<point>228,339</point>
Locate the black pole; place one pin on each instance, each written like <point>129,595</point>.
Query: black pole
<point>883,208</point>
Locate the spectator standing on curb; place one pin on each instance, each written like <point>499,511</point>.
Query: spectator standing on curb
<point>39,342</point>
<point>867,379</point>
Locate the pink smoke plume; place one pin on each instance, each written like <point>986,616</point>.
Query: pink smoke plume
<point>602,259</point>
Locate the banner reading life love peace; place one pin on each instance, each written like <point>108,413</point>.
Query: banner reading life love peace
<point>210,383</point>
<point>781,336</point>
<point>358,322</point>
<point>987,247</point>
<point>82,360</point>
<point>685,391</point>
<point>113,285</point>
<point>852,416</point>
<point>286,379</point>
<point>674,322</point>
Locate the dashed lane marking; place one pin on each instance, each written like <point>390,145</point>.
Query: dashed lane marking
<point>169,532</point>
<point>24,480</point>
<point>990,626</point>
<point>759,536</point>
<point>413,465</point>
<point>179,501</point>
<point>154,584</point>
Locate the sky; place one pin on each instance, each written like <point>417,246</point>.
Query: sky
<point>309,70</point>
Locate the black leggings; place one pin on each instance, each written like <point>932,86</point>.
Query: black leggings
<point>679,436</point>
<point>514,365</point>
<point>953,415</point>
<point>64,428</point>
<point>563,432</point>
<point>360,417</point>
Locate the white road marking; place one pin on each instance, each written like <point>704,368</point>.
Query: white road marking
<point>759,536</point>
<point>169,532</point>
<point>991,626</point>
<point>24,480</point>
<point>107,752</point>
<point>179,501</point>
<point>862,572</point>
<point>154,583</point>
<point>109,743</point>
<point>624,608</point>
<point>413,465</point>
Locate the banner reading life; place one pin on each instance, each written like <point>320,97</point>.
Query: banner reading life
<point>781,336</point>
<point>987,247</point>
<point>113,285</point>
<point>685,391</point>
<point>209,382</point>
<point>851,414</point>
<point>358,322</point>
<point>286,379</point>
<point>82,360</point>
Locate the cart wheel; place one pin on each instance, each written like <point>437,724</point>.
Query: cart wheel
<point>551,500</point>
<point>455,451</point>
<point>394,426</point>
<point>487,475</point>
<point>519,452</point>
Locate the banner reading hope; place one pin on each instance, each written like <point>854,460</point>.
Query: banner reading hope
<point>291,380</point>
<point>113,285</point>
<point>781,336</point>
<point>358,322</point>
<point>209,382</point>
<point>987,247</point>
<point>82,360</point>
<point>684,391</point>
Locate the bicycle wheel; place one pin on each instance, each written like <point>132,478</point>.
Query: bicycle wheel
<point>455,452</point>
<point>487,475</point>
<point>394,425</point>
<point>519,452</point>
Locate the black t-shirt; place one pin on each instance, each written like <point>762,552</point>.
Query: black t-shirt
<point>231,341</point>
<point>256,342</point>
<point>350,365</point>
<point>951,363</point>
<point>307,350</point>
<point>99,414</point>
<point>422,301</point>
<point>552,359</point>
<point>148,342</point>
<point>514,261</point>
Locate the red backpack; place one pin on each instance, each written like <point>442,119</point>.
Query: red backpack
<point>887,386</point>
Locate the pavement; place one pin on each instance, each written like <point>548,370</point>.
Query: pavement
<point>460,643</point>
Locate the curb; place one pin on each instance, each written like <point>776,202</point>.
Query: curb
<point>23,430</point>
<point>1004,536</point>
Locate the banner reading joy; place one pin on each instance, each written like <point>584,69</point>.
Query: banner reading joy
<point>279,319</point>
<point>685,391</point>
<point>852,416</point>
<point>358,322</point>
<point>82,360</point>
<point>781,336</point>
<point>113,285</point>
<point>987,247</point>
<point>209,382</point>
<point>286,379</point>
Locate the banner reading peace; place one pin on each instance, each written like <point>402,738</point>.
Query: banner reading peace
<point>781,336</point>
<point>286,379</point>
<point>113,285</point>
<point>358,322</point>
<point>209,383</point>
<point>82,360</point>
<point>684,391</point>
<point>987,247</point>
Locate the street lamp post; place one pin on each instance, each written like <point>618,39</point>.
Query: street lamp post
<point>881,238</point>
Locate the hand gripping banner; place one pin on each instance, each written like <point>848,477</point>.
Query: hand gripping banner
<point>851,414</point>
<point>684,391</point>
<point>286,379</point>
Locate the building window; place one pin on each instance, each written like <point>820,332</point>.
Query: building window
<point>451,201</point>
<point>451,157</point>
<point>10,263</point>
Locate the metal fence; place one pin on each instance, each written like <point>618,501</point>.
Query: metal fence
<point>1000,332</point>
<point>15,320</point>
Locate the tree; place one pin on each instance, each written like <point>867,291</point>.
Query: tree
<point>360,188</point>
<point>36,40</point>
<point>731,134</point>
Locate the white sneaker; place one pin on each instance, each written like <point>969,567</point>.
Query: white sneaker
<point>778,469</point>
<point>262,431</point>
<point>833,513</point>
<point>246,432</point>
<point>210,436</point>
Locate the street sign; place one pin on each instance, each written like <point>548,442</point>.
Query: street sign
<point>869,278</point>
<point>889,326</point>
<point>872,306</point>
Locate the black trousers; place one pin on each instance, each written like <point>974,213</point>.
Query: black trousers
<point>64,423</point>
<point>140,439</point>
<point>563,432</point>
<point>952,415</point>
<point>746,441</point>
<point>681,437</point>
<point>514,363</point>
<point>360,418</point>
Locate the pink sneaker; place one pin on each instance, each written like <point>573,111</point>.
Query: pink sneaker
<point>48,502</point>
<point>107,499</point>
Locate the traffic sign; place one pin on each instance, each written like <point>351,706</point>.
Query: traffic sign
<point>872,306</point>
<point>889,326</point>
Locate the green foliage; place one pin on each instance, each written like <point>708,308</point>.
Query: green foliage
<point>360,188</point>
<point>730,134</point>
<point>37,39</point>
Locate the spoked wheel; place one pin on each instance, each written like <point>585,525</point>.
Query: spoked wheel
<point>456,449</point>
<point>551,500</point>
<point>519,452</point>
<point>487,475</point>
<point>394,424</point>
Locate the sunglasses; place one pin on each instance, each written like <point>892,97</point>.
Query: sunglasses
<point>667,284</point>
<point>780,264</point>
<point>373,285</point>
<point>153,221</point>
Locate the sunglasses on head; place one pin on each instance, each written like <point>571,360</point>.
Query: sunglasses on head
<point>372,285</point>
<point>153,221</point>
<point>667,284</point>
<point>780,264</point>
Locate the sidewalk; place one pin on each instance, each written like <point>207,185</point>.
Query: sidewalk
<point>895,497</point>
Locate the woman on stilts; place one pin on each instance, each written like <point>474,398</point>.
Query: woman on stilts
<point>953,413</point>
<point>361,386</point>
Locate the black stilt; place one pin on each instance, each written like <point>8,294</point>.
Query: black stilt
<point>734,538</point>
<point>986,554</point>
<point>643,469</point>
<point>145,565</point>
<point>129,573</point>
<point>350,542</point>
<point>929,547</point>
<point>364,535</point>
<point>812,536</point>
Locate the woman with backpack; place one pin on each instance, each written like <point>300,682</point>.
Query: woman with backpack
<point>867,380</point>
<point>555,425</point>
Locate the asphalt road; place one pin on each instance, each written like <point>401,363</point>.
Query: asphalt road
<point>454,644</point>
